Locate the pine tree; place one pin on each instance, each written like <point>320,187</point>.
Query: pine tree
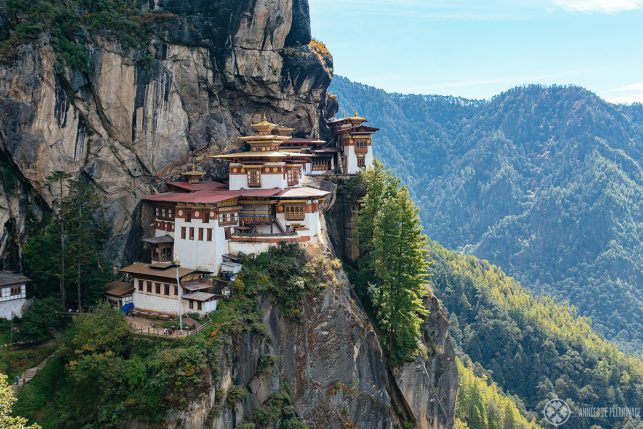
<point>393,258</point>
<point>59,179</point>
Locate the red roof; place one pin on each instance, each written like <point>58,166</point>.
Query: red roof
<point>201,186</point>
<point>211,193</point>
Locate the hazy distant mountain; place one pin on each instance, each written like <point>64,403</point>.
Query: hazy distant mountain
<point>545,182</point>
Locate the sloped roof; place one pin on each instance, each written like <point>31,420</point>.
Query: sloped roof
<point>168,271</point>
<point>303,192</point>
<point>119,288</point>
<point>8,278</point>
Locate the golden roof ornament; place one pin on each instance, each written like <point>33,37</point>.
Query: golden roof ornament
<point>263,127</point>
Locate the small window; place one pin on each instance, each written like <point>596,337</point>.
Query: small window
<point>199,306</point>
<point>200,234</point>
<point>188,215</point>
<point>176,290</point>
<point>192,233</point>
<point>293,177</point>
<point>16,291</point>
<point>254,178</point>
<point>166,290</point>
<point>209,234</point>
<point>140,285</point>
<point>206,216</point>
<point>191,305</point>
<point>149,287</point>
<point>158,288</point>
<point>361,161</point>
<point>183,233</point>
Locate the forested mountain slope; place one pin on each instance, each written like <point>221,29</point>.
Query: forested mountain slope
<point>533,347</point>
<point>544,182</point>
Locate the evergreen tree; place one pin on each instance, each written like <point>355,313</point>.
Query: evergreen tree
<point>58,180</point>
<point>393,259</point>
<point>68,249</point>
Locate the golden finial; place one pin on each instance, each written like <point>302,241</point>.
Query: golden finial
<point>356,115</point>
<point>263,117</point>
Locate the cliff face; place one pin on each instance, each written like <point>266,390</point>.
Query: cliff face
<point>336,369</point>
<point>210,67</point>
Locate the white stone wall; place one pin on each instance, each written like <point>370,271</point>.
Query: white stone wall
<point>351,160</point>
<point>247,248</point>
<point>269,181</point>
<point>168,304</point>
<point>200,254</point>
<point>12,308</point>
<point>238,181</point>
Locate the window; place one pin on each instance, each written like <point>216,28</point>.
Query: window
<point>254,178</point>
<point>166,290</point>
<point>200,234</point>
<point>293,177</point>
<point>206,216</point>
<point>192,233</point>
<point>157,211</point>
<point>158,288</point>
<point>16,290</point>
<point>361,146</point>
<point>295,212</point>
<point>361,161</point>
<point>188,215</point>
<point>149,287</point>
<point>209,234</point>
<point>199,306</point>
<point>183,233</point>
<point>176,290</point>
<point>191,305</point>
<point>140,285</point>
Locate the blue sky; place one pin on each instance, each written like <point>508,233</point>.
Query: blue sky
<point>476,48</point>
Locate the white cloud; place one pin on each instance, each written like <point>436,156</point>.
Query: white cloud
<point>600,6</point>
<point>626,99</point>
<point>627,94</point>
<point>631,87</point>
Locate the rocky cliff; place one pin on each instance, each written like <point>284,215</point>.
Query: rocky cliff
<point>338,374</point>
<point>139,114</point>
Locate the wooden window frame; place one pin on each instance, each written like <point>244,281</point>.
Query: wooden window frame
<point>200,234</point>
<point>148,285</point>
<point>192,233</point>
<point>295,212</point>
<point>184,233</point>
<point>209,234</point>
<point>157,288</point>
<point>140,285</point>
<point>361,161</point>
<point>166,290</point>
<point>254,177</point>
<point>293,176</point>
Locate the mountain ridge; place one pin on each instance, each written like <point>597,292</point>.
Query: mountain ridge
<point>545,182</point>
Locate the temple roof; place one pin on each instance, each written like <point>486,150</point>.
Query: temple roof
<point>201,186</point>
<point>300,141</point>
<point>360,129</point>
<point>119,289</point>
<point>303,192</point>
<point>199,296</point>
<point>274,154</point>
<point>159,240</point>
<point>213,196</point>
<point>8,278</point>
<point>165,271</point>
